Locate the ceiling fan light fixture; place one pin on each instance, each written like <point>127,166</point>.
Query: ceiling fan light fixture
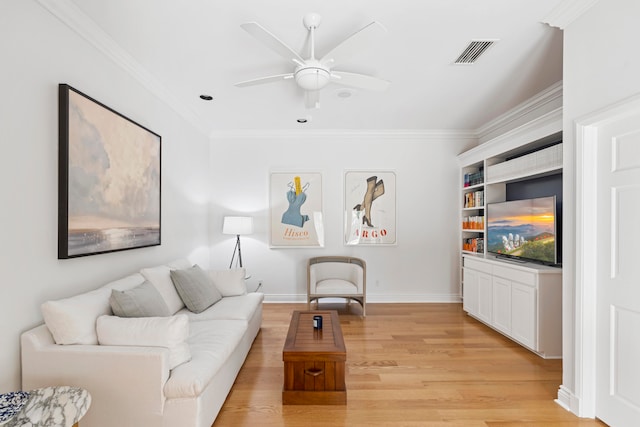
<point>312,78</point>
<point>311,74</point>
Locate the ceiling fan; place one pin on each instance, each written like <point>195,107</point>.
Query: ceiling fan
<point>313,74</point>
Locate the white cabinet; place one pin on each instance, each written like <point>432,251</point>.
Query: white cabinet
<point>520,300</point>
<point>470,302</point>
<point>501,304</point>
<point>524,320</point>
<point>485,299</point>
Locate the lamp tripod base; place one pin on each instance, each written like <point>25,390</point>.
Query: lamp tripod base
<point>236,249</point>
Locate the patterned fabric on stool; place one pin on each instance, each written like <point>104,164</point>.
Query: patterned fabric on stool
<point>61,406</point>
<point>11,403</point>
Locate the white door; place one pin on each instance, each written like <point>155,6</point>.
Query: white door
<point>618,276</point>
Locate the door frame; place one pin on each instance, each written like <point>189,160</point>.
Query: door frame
<point>586,262</point>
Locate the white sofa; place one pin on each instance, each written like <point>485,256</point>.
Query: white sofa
<point>134,385</point>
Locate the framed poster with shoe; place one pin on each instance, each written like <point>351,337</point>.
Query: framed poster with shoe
<point>295,204</point>
<point>370,208</point>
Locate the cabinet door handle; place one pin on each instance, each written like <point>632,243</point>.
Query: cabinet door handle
<point>313,372</point>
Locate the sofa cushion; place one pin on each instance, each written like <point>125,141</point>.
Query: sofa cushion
<point>229,282</point>
<point>170,332</point>
<point>142,301</point>
<point>241,307</point>
<point>161,279</point>
<point>211,344</point>
<point>73,320</point>
<point>195,288</point>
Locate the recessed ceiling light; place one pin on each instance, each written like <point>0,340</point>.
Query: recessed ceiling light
<point>206,97</point>
<point>345,93</point>
<point>302,120</point>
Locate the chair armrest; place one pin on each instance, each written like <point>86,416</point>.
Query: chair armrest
<point>313,280</point>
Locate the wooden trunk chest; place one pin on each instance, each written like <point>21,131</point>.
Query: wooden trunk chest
<point>314,361</point>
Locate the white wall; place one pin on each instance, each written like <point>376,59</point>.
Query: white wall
<point>38,52</point>
<point>598,71</point>
<point>424,264</point>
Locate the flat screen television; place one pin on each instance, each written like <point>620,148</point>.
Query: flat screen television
<point>523,229</point>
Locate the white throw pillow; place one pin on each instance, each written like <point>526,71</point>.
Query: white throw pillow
<point>160,278</point>
<point>170,332</point>
<point>230,282</point>
<point>73,320</point>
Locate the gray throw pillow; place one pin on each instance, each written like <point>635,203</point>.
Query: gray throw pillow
<point>142,301</point>
<point>195,288</point>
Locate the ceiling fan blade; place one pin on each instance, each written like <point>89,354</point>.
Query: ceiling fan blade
<point>366,37</point>
<point>312,99</point>
<point>266,37</point>
<point>261,80</point>
<point>360,81</point>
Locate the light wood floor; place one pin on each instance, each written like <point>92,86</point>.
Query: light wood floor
<point>407,365</point>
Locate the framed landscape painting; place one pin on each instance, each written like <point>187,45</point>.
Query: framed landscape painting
<point>109,179</point>
<point>296,210</point>
<point>370,208</point>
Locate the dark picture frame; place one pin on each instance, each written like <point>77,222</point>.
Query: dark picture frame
<point>109,183</point>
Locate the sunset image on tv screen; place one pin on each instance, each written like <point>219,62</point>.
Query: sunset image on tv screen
<point>523,228</point>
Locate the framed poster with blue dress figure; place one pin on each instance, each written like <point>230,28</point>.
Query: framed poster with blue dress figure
<point>296,210</point>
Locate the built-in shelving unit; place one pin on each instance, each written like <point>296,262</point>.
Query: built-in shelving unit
<point>472,218</point>
<point>522,301</point>
<point>490,178</point>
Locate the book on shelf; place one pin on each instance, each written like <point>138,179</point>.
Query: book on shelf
<point>475,222</point>
<point>473,178</point>
<point>475,245</point>
<point>474,199</point>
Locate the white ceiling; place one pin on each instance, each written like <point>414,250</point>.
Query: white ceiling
<point>187,48</point>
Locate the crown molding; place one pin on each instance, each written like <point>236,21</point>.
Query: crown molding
<point>547,125</point>
<point>567,11</point>
<point>546,100</point>
<point>347,134</point>
<point>73,17</point>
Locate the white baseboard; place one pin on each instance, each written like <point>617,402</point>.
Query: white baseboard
<point>568,400</point>
<point>564,398</point>
<point>400,299</point>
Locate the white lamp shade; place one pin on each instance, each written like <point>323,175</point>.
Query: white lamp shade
<point>237,225</point>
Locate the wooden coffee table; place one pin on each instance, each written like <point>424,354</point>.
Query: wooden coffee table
<point>314,361</point>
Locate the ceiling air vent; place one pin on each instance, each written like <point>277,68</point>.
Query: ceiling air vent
<point>473,51</point>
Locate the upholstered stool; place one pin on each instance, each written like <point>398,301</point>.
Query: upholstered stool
<point>61,406</point>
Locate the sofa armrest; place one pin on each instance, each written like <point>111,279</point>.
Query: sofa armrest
<point>126,383</point>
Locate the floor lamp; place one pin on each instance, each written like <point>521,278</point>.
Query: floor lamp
<point>237,225</point>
